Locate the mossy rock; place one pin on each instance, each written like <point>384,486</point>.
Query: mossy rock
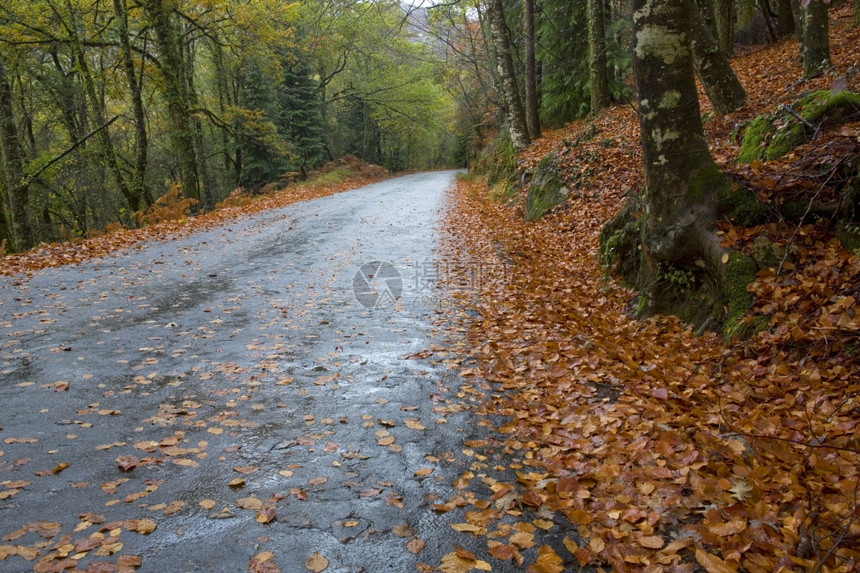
<point>621,241</point>
<point>546,189</point>
<point>771,137</point>
<point>740,271</point>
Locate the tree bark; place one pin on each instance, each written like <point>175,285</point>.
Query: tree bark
<point>784,18</point>
<point>532,104</point>
<point>797,14</point>
<point>98,111</point>
<point>682,180</point>
<point>17,182</point>
<point>857,12</point>
<point>505,65</point>
<point>713,68</point>
<point>724,20</point>
<point>816,43</point>
<point>160,13</point>
<point>767,14</point>
<point>138,187</point>
<point>597,57</point>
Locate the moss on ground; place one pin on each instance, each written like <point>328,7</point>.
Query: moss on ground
<point>772,136</point>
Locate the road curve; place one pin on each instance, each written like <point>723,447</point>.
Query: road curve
<point>287,351</point>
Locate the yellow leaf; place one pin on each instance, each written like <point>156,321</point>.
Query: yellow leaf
<point>249,503</point>
<point>423,472</point>
<point>468,528</point>
<point>208,504</point>
<point>143,526</point>
<point>597,545</point>
<point>316,563</point>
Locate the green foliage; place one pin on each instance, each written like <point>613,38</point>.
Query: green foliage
<point>682,279</point>
<point>563,54</point>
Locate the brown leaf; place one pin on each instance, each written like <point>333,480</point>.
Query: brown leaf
<point>415,545</point>
<point>143,526</point>
<point>127,463</point>
<point>712,563</point>
<point>246,469</point>
<point>402,531</point>
<point>263,563</point>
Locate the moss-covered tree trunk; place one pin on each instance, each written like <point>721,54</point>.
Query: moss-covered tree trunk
<point>160,14</point>
<point>514,113</point>
<point>597,57</point>
<point>13,167</point>
<point>97,108</point>
<point>137,184</point>
<point>816,43</point>
<point>724,24</point>
<point>713,68</point>
<point>684,186</point>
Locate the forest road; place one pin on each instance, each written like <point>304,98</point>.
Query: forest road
<point>286,353</point>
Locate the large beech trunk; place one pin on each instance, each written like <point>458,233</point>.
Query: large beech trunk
<point>683,183</point>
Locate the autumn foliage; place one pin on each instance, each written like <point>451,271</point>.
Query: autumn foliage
<point>661,450</point>
<point>168,218</point>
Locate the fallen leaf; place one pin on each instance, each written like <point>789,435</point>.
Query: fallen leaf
<point>316,563</point>
<point>415,545</point>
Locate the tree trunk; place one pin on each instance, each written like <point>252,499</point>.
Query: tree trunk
<point>784,18</point>
<point>160,13</point>
<point>138,185</point>
<point>683,183</point>
<point>13,167</point>
<point>816,43</point>
<point>532,104</point>
<point>797,14</point>
<point>505,65</point>
<point>857,12</point>
<point>724,20</point>
<point>713,68</point>
<point>767,14</point>
<point>207,183</point>
<point>98,111</point>
<point>597,57</point>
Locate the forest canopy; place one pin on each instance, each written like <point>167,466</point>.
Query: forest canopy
<point>107,105</point>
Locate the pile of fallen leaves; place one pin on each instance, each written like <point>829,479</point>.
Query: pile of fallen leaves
<point>166,228</point>
<point>660,450</point>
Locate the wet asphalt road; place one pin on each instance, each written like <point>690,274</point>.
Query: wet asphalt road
<point>237,353</point>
